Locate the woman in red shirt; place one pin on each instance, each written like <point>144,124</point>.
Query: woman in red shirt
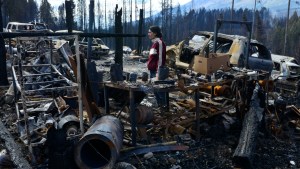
<point>157,58</point>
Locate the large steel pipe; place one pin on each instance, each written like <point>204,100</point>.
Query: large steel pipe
<point>100,146</point>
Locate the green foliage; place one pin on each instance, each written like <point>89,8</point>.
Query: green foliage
<point>294,36</point>
<point>19,10</point>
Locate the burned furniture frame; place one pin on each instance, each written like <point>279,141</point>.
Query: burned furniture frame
<point>26,97</point>
<point>132,104</point>
<point>44,94</point>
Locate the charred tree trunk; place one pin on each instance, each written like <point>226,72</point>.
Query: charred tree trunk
<point>243,154</point>
<point>141,21</point>
<point>69,16</point>
<point>119,40</point>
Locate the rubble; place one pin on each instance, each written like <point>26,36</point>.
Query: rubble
<point>111,119</point>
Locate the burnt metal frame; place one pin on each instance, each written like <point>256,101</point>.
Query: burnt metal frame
<point>23,98</point>
<point>248,24</point>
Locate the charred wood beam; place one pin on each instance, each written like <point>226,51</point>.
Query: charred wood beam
<point>69,15</point>
<point>141,21</point>
<point>15,150</point>
<point>243,154</point>
<point>87,96</point>
<point>96,35</point>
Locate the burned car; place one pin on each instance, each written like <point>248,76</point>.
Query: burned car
<point>181,55</point>
<point>98,47</point>
<point>19,27</point>
<point>39,26</point>
<point>289,63</point>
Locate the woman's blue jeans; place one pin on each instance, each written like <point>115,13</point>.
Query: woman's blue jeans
<point>160,96</point>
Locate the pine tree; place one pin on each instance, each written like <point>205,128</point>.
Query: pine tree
<point>46,14</point>
<point>61,16</point>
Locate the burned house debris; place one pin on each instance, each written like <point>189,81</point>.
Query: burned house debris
<point>66,118</point>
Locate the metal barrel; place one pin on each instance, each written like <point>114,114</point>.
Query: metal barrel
<point>132,77</point>
<point>100,146</point>
<point>144,115</point>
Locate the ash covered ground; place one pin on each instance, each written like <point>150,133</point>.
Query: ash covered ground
<point>276,148</point>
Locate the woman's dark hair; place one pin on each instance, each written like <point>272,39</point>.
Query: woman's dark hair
<point>156,30</point>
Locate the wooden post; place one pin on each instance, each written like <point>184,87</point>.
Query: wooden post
<point>141,21</point>
<point>119,40</point>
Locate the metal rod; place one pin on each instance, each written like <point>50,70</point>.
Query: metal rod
<point>79,86</point>
<point>49,89</point>
<point>61,80</point>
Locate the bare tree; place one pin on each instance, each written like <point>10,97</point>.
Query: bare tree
<point>61,16</point>
<point>165,16</point>
<point>81,7</point>
<point>99,16</point>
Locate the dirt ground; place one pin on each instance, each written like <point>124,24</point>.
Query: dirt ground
<point>214,150</point>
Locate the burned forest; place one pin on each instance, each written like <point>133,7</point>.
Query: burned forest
<point>70,100</point>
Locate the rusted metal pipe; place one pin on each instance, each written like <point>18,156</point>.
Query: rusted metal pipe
<point>100,146</point>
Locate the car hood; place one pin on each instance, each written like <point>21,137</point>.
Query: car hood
<point>104,47</point>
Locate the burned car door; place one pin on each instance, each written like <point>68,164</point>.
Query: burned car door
<point>260,58</point>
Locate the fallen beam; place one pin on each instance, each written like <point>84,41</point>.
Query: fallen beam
<point>13,148</point>
<point>243,154</point>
